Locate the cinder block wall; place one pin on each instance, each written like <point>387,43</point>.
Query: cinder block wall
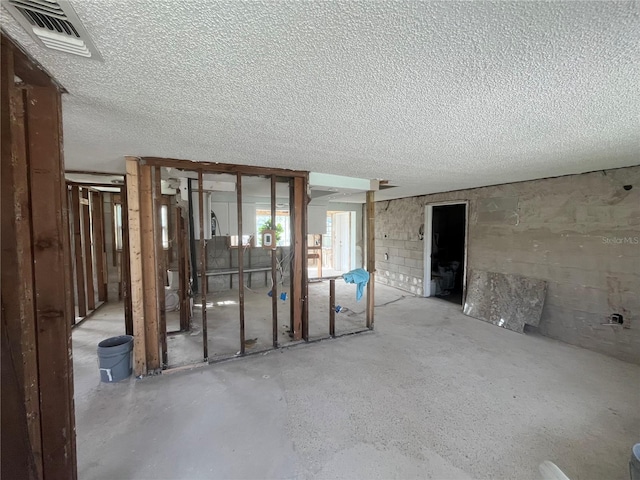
<point>580,233</point>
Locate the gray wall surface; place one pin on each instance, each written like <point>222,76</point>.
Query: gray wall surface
<point>580,233</point>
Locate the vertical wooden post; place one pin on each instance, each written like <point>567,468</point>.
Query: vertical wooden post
<point>240,261</point>
<point>305,260</point>
<point>274,272</point>
<point>46,173</point>
<point>36,287</point>
<point>149,268</point>
<point>125,264</point>
<point>182,273</point>
<point>203,268</point>
<point>371,257</point>
<point>332,307</point>
<point>99,244</point>
<point>70,264</point>
<point>299,258</point>
<point>78,252</point>
<point>18,307</point>
<point>160,261</point>
<point>135,260</point>
<point>88,250</point>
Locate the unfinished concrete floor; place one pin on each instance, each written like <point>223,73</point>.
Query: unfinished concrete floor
<point>430,394</point>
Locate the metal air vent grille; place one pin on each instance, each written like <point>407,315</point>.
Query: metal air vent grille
<point>54,24</point>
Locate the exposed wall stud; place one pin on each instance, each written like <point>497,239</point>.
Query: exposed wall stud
<point>240,261</point>
<point>203,268</point>
<point>135,260</point>
<point>371,257</point>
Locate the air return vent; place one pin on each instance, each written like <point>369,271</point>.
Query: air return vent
<point>54,24</point>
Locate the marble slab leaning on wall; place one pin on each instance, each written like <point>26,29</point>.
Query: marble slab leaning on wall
<point>508,301</point>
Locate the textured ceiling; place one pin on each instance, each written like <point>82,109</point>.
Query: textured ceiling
<point>431,96</point>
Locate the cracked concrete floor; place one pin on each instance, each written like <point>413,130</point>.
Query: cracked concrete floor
<point>430,394</point>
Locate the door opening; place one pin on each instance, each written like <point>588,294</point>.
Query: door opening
<point>445,251</point>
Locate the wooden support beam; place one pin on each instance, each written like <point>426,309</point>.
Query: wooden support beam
<point>203,269</point>
<point>50,254</point>
<point>182,272</point>
<point>69,238</point>
<point>97,213</point>
<point>149,269</point>
<point>125,264</point>
<point>78,252</point>
<point>160,261</point>
<point>298,266</point>
<point>274,271</point>
<point>305,260</point>
<point>135,260</point>
<point>332,307</point>
<point>210,167</point>
<point>18,307</point>
<point>31,72</point>
<point>240,261</point>
<point>371,258</point>
<point>87,242</point>
<point>37,410</point>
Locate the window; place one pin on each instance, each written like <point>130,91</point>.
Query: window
<point>164,226</point>
<point>246,240</point>
<point>117,225</point>
<point>263,217</point>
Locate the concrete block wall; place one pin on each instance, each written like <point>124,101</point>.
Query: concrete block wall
<point>397,234</point>
<point>220,256</point>
<point>580,233</point>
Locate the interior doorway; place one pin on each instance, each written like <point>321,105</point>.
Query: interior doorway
<point>445,251</point>
<point>339,243</point>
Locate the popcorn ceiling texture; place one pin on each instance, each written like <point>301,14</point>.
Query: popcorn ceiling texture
<point>580,233</point>
<point>434,96</point>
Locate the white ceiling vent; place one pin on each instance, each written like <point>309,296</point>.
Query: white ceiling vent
<point>54,24</point>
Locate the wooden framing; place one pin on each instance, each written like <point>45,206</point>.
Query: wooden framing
<point>151,319</point>
<point>99,245</point>
<point>125,264</point>
<point>37,376</point>
<point>240,261</point>
<point>299,320</point>
<point>274,271</point>
<point>87,241</point>
<point>161,265</point>
<point>149,269</point>
<point>371,257</point>
<point>210,167</point>
<point>135,261</point>
<point>332,307</point>
<point>77,235</point>
<point>183,271</point>
<point>70,264</point>
<point>203,269</point>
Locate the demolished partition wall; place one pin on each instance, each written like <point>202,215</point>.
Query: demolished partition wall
<point>579,233</point>
<point>148,268</point>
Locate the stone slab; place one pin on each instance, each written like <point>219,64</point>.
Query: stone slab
<point>508,301</point>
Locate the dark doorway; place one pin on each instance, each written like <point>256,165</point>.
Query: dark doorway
<point>448,250</point>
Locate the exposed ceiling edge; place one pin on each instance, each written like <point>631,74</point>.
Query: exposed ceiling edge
<point>329,181</point>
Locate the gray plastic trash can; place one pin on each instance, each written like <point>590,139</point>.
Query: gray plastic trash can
<point>115,356</point>
<point>634,463</point>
